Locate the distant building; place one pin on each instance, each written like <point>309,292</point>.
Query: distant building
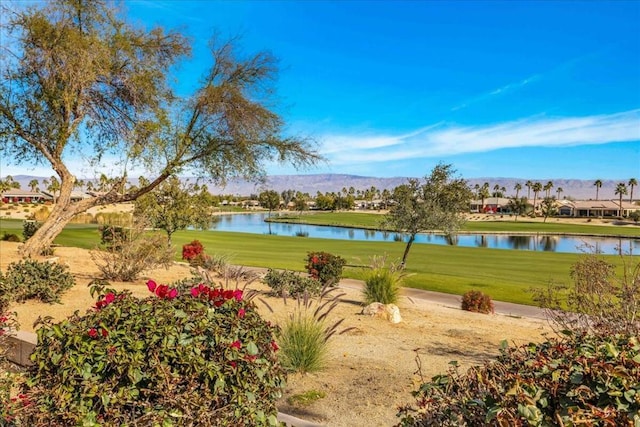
<point>21,196</point>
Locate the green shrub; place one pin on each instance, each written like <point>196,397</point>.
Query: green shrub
<point>477,302</point>
<point>9,404</point>
<point>112,237</point>
<point>31,279</point>
<point>325,267</point>
<point>29,228</point>
<point>204,357</point>
<point>582,380</point>
<point>289,283</point>
<point>10,237</point>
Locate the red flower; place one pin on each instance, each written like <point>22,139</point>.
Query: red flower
<point>236,344</point>
<point>227,294</point>
<point>151,285</point>
<point>109,298</point>
<point>173,293</point>
<point>274,346</point>
<point>195,292</point>
<point>241,313</point>
<point>237,294</point>
<point>249,358</point>
<point>93,333</point>
<point>233,364</point>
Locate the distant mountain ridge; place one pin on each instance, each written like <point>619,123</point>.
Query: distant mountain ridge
<point>572,188</point>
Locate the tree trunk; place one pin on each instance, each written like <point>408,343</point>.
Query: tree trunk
<point>406,249</point>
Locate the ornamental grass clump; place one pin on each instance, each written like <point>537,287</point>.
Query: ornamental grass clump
<point>199,356</point>
<point>304,335</point>
<point>382,283</point>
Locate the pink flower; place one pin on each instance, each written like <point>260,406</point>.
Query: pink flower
<point>109,298</point>
<point>173,293</point>
<point>151,285</point>
<point>236,344</point>
<point>195,292</point>
<point>241,313</point>
<point>93,333</point>
<point>237,294</point>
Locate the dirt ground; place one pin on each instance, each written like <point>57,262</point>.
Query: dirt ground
<point>372,369</point>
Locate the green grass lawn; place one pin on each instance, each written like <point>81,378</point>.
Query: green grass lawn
<point>506,275</point>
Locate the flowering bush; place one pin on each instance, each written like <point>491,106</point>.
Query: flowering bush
<point>325,267</point>
<point>202,355</point>
<point>477,302</point>
<point>192,250</point>
<point>581,380</point>
<point>8,404</point>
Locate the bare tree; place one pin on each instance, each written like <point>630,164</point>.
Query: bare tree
<point>76,77</point>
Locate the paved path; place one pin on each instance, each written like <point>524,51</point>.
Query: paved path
<point>450,300</point>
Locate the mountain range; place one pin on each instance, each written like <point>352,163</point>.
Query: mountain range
<point>571,188</point>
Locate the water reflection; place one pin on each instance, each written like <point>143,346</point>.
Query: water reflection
<point>254,223</point>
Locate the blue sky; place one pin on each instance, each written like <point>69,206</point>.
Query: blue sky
<point>530,90</point>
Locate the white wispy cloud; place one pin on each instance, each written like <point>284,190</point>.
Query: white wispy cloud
<point>446,140</point>
<point>495,92</point>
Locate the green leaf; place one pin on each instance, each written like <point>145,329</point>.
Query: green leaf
<point>252,348</point>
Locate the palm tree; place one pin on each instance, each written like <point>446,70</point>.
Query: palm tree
<point>528,184</point>
<point>621,189</point>
<point>548,186</point>
<point>477,190</point>
<point>598,185</point>
<point>33,185</point>
<point>517,187</point>
<point>558,191</point>
<point>496,190</point>
<point>537,188</point>
<point>632,183</point>
<point>484,193</point>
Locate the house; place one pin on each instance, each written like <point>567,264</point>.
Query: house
<point>21,196</point>
<point>596,208</point>
<point>491,205</point>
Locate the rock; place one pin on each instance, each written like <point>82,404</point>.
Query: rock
<point>393,313</point>
<point>390,312</point>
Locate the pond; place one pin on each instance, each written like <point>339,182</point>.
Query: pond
<point>255,223</point>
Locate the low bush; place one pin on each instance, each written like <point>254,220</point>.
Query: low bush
<point>129,254</point>
<point>325,267</point>
<point>10,237</point>
<point>192,251</point>
<point>581,380</point>
<point>289,283</point>
<point>201,357</point>
<point>602,300</point>
<point>477,302</point>
<point>112,237</point>
<point>29,228</point>
<point>31,279</point>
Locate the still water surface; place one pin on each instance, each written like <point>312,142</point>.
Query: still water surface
<point>254,223</point>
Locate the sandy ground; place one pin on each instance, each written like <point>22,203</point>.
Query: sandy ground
<point>372,369</point>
